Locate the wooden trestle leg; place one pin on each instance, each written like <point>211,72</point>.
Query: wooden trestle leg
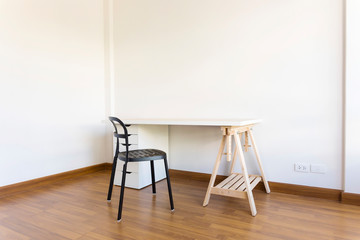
<point>233,162</point>
<point>214,173</point>
<point>245,175</point>
<point>266,184</point>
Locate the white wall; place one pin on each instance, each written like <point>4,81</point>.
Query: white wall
<point>52,87</point>
<point>352,161</point>
<point>277,60</point>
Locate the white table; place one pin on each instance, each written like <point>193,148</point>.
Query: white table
<point>153,133</point>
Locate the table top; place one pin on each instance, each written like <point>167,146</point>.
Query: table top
<point>193,122</point>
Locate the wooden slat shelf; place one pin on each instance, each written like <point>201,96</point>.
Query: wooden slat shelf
<point>234,185</point>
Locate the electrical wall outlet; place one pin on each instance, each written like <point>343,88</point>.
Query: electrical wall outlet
<point>318,168</point>
<point>302,167</point>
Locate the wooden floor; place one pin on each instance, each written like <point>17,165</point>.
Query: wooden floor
<point>77,209</point>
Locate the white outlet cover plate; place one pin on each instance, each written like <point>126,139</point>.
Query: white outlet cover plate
<point>302,167</point>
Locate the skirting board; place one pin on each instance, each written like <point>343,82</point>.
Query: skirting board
<point>324,193</point>
<point>38,182</point>
<point>350,198</point>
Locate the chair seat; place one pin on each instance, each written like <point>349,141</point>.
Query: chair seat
<point>142,155</point>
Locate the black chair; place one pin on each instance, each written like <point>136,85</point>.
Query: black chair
<point>134,156</point>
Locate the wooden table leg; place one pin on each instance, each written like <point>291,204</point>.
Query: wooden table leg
<point>234,158</point>
<point>214,173</point>
<point>228,147</point>
<point>266,184</point>
<point>233,162</point>
<point>245,175</point>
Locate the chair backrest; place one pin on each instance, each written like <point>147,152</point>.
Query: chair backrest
<point>114,121</point>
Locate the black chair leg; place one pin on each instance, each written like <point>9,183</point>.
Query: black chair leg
<point>168,183</point>
<point>153,177</point>
<point>112,178</point>
<point>122,192</point>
